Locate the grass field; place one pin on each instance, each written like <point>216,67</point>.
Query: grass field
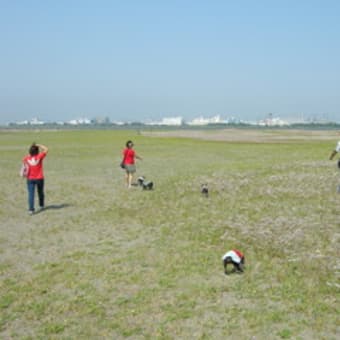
<point>105,262</point>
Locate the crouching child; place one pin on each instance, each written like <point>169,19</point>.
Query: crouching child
<point>234,257</point>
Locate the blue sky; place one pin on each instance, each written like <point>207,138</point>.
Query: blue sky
<point>139,60</point>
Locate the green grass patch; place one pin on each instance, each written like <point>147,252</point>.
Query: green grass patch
<point>103,261</point>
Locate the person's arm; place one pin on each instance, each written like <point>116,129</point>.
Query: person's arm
<point>43,148</point>
<point>334,152</point>
<point>138,157</point>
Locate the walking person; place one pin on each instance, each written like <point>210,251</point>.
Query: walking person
<point>35,175</point>
<point>129,156</point>
<point>335,151</point>
<point>332,155</point>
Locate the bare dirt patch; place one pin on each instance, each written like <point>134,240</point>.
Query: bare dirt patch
<point>249,135</point>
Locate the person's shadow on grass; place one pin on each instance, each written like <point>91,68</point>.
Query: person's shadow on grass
<point>55,207</point>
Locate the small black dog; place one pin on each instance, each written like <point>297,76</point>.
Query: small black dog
<point>146,185</point>
<point>205,190</point>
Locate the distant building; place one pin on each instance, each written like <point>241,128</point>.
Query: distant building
<point>80,121</point>
<point>273,121</point>
<point>33,121</point>
<point>205,121</point>
<point>23,122</point>
<point>118,123</point>
<point>101,120</point>
<point>36,121</point>
<point>172,121</point>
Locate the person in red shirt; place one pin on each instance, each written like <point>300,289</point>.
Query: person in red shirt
<point>234,257</point>
<point>35,174</point>
<point>129,156</point>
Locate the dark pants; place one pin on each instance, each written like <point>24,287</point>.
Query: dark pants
<point>237,266</point>
<point>31,184</point>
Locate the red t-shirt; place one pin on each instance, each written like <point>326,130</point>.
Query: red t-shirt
<point>129,156</point>
<point>239,254</point>
<point>35,165</point>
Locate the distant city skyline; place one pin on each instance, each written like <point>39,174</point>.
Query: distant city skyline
<point>292,119</point>
<point>267,120</point>
<point>146,60</point>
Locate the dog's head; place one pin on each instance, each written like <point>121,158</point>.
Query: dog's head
<point>146,185</point>
<point>140,180</point>
<point>204,188</point>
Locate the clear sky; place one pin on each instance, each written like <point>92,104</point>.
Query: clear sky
<point>144,59</point>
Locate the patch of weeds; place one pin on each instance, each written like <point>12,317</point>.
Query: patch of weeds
<point>285,334</point>
<point>4,267</point>
<point>123,300</point>
<point>276,316</point>
<point>6,300</point>
<point>53,328</point>
<point>10,282</point>
<point>180,308</point>
<point>88,305</point>
<point>131,331</point>
<point>166,282</point>
<point>36,309</point>
<point>77,255</point>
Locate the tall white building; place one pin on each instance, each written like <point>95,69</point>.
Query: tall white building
<point>170,121</point>
<point>205,121</point>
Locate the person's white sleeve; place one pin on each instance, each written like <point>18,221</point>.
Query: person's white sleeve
<point>337,148</point>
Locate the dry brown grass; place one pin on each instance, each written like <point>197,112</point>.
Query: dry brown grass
<point>250,135</point>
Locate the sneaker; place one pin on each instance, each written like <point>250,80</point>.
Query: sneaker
<point>41,208</point>
<point>30,212</point>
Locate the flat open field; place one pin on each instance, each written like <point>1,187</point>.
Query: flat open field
<point>105,262</point>
<point>248,135</point>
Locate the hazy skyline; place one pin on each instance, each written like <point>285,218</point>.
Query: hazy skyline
<point>139,60</point>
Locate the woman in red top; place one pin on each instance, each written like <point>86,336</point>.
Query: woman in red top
<point>129,156</point>
<point>35,174</point>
